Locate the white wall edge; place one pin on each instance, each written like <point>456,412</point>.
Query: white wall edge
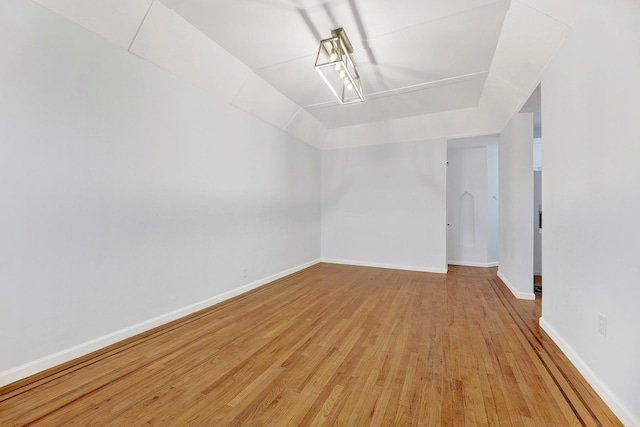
<point>67,355</point>
<point>390,266</point>
<point>517,294</point>
<point>621,411</point>
<point>474,264</point>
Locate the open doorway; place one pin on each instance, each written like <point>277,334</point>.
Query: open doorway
<point>472,201</point>
<point>537,215</point>
<point>533,105</point>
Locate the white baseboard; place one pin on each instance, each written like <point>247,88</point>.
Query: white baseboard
<point>514,291</point>
<point>474,264</point>
<point>622,412</point>
<point>50,361</point>
<point>391,266</point>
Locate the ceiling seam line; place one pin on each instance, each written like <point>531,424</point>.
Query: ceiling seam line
<point>435,20</point>
<point>144,18</point>
<point>510,84</point>
<point>544,14</point>
<point>435,83</point>
<point>286,126</point>
<point>244,83</point>
<point>407,89</point>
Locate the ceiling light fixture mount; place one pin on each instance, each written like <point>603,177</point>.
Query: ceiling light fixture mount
<point>335,66</point>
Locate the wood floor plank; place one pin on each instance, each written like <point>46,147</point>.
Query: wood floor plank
<point>331,345</point>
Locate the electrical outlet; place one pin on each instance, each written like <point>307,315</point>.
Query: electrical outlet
<point>602,324</point>
<point>244,272</point>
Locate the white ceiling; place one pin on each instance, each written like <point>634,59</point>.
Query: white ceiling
<point>414,57</point>
<point>429,68</point>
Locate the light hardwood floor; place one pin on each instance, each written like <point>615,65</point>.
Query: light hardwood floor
<point>332,345</point>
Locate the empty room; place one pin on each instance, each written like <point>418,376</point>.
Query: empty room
<point>306,212</point>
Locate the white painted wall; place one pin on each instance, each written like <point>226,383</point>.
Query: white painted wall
<point>537,198</point>
<point>591,201</point>
<point>385,205</point>
<point>537,232</point>
<point>127,194</point>
<point>493,168</point>
<point>473,169</point>
<point>516,205</point>
<point>537,152</point>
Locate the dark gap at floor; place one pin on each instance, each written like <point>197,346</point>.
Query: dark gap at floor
<point>537,284</point>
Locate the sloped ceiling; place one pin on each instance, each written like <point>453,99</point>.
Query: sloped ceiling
<point>430,68</point>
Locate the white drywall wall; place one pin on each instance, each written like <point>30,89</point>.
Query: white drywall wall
<point>515,206</point>
<point>591,200</point>
<point>127,193</point>
<point>493,207</point>
<point>385,205</point>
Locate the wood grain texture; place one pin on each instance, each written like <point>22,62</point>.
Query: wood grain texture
<point>331,345</point>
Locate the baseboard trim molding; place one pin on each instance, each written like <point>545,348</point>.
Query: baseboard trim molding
<point>514,291</point>
<point>390,266</point>
<point>622,412</point>
<point>51,361</point>
<point>474,264</point>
